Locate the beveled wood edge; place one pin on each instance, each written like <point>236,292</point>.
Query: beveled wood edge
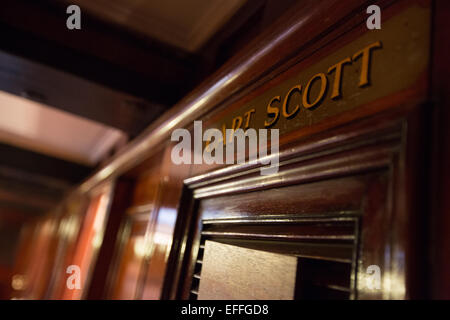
<point>140,209</point>
<point>388,135</point>
<point>240,72</point>
<point>339,216</point>
<point>365,161</point>
<point>318,146</point>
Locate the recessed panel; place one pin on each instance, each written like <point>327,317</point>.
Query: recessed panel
<point>233,273</point>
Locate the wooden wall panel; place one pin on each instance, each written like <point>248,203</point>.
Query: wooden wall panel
<point>364,174</point>
<point>169,203</point>
<point>98,285</point>
<point>72,214</point>
<point>352,191</point>
<point>137,238</point>
<point>131,259</point>
<point>146,188</point>
<point>35,269</point>
<point>89,240</point>
<point>22,260</point>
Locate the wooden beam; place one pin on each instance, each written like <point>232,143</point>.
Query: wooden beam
<point>99,51</point>
<point>76,95</point>
<point>101,72</point>
<point>29,162</point>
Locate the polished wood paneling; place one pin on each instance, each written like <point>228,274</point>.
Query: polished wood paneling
<point>353,191</point>
<point>22,260</point>
<point>131,258</point>
<point>120,202</point>
<point>169,203</point>
<point>361,172</point>
<point>146,188</point>
<point>137,262</point>
<point>370,165</point>
<point>89,241</point>
<point>33,270</point>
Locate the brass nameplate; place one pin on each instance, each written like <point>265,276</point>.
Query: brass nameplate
<point>377,64</point>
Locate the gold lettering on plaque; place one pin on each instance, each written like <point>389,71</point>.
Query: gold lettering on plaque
<point>287,114</point>
<point>323,88</point>
<point>237,122</point>
<point>247,116</point>
<point>273,111</point>
<point>336,93</point>
<point>365,64</point>
<point>370,67</point>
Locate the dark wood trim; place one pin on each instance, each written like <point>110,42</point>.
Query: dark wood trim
<point>182,238</point>
<point>120,202</point>
<point>439,236</point>
<point>378,146</point>
<point>318,145</point>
